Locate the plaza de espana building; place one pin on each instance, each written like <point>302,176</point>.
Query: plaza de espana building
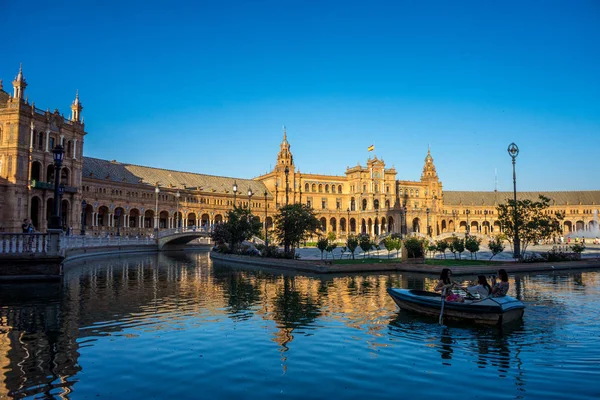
<point>119,196</point>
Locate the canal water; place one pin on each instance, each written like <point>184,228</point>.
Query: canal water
<point>177,326</point>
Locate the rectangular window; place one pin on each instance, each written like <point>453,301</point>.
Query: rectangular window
<point>51,143</point>
<point>323,203</point>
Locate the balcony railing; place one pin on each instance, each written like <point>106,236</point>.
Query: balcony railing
<point>50,186</point>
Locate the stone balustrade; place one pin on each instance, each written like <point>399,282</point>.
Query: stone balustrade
<point>24,243</point>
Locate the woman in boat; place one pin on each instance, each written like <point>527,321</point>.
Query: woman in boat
<point>500,288</point>
<point>446,282</point>
<point>483,288</point>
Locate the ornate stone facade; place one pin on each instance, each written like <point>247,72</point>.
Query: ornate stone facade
<point>134,200</point>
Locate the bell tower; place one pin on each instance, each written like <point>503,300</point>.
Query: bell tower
<point>76,108</point>
<point>284,157</point>
<point>19,85</point>
<point>429,172</point>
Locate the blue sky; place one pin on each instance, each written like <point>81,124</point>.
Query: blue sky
<point>206,87</point>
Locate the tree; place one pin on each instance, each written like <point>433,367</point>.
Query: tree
<point>534,221</point>
<point>472,245</point>
<point>578,249</point>
<point>352,244</point>
<point>496,246</point>
<point>414,247</point>
<point>322,245</point>
<point>458,245</point>
<point>331,236</point>
<point>390,244</point>
<point>241,225</point>
<point>293,224</point>
<point>432,248</point>
<point>364,241</point>
<point>330,248</point>
<point>441,246</point>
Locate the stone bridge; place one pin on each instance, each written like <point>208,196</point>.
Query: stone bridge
<point>172,238</point>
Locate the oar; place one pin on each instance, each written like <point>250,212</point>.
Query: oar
<point>443,301</point>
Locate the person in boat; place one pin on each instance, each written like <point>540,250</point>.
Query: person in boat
<point>446,282</point>
<point>500,288</point>
<point>483,288</point>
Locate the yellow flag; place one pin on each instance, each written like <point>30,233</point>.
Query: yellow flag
<point>371,147</point>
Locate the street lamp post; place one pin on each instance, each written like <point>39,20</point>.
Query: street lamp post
<point>54,221</point>
<point>83,207</point>
<point>513,151</point>
<point>266,230</point>
<point>287,172</point>
<point>177,221</point>
<point>118,215</point>
<point>250,193</point>
<point>348,223</point>
<point>404,227</point>
<point>485,213</point>
<point>61,192</point>
<point>468,230</point>
<point>428,228</point>
<point>234,193</point>
<point>454,216</point>
<point>157,191</point>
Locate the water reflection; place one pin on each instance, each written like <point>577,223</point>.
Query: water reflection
<point>181,300</point>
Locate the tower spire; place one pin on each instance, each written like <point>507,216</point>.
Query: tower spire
<point>76,108</point>
<point>284,158</point>
<point>429,171</point>
<point>19,85</point>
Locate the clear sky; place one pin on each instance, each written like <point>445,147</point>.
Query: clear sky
<point>206,86</point>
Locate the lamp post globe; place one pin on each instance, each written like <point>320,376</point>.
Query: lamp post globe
<point>57,154</point>
<point>250,193</point>
<point>513,151</point>
<point>235,188</point>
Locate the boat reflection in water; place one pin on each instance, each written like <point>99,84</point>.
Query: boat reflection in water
<point>165,325</point>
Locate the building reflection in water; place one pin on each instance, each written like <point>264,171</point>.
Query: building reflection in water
<point>38,347</point>
<point>41,326</point>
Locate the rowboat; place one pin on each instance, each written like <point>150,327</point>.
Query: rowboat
<point>489,310</point>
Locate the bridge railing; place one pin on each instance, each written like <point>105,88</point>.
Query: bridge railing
<point>168,232</point>
<point>23,243</point>
<point>72,242</point>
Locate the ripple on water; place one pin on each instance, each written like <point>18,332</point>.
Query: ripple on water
<point>178,327</point>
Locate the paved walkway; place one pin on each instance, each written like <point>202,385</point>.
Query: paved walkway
<point>312,253</point>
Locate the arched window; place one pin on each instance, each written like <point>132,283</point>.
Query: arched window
<point>306,187</point>
<point>332,188</point>
<point>314,187</point>
<point>339,188</point>
<point>326,188</point>
<point>320,188</point>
